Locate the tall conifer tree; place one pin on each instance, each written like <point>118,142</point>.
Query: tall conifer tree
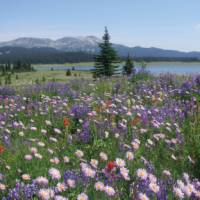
<point>129,66</point>
<point>104,62</point>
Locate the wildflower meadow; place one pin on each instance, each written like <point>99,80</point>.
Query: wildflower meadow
<point>120,138</point>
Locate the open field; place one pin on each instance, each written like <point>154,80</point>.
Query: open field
<point>119,138</point>
<point>66,64</point>
<point>25,78</point>
<point>122,63</point>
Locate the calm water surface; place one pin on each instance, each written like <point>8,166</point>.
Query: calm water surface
<point>157,68</point>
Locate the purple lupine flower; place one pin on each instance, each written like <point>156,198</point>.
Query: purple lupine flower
<point>80,111</point>
<point>197,81</point>
<point>85,135</point>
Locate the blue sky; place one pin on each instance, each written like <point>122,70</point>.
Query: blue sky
<point>169,24</point>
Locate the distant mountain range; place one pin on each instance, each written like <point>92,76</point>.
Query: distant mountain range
<point>88,45</point>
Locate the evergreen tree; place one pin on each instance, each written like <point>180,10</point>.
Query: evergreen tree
<point>129,66</point>
<point>43,79</point>
<point>8,67</point>
<point>9,79</point>
<point>107,56</point>
<point>68,72</point>
<point>3,71</point>
<point>17,66</point>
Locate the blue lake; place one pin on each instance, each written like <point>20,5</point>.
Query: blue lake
<point>157,68</point>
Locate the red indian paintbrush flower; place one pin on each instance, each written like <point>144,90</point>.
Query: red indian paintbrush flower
<point>135,121</point>
<point>66,122</point>
<point>2,149</point>
<point>110,166</point>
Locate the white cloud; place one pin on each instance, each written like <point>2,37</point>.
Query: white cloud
<point>197,26</point>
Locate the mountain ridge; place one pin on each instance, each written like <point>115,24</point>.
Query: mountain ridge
<point>89,44</point>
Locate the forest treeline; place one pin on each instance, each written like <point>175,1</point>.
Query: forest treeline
<point>53,56</point>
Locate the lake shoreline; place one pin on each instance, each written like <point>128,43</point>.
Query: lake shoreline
<point>82,64</point>
<point>153,67</point>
